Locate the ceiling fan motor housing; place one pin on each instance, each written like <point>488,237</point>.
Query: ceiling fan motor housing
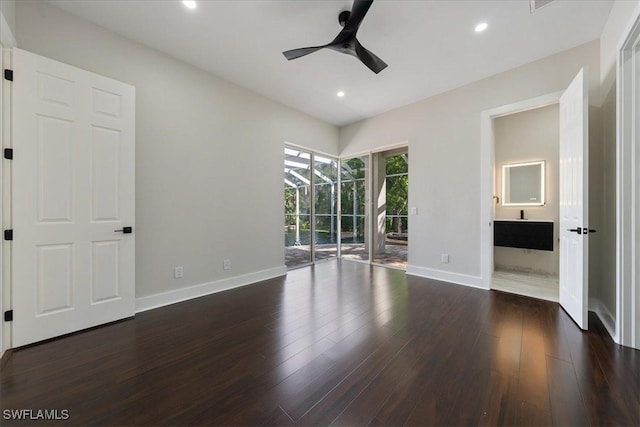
<point>344,17</point>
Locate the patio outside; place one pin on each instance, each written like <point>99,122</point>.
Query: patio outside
<point>389,238</point>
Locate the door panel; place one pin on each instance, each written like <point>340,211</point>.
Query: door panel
<point>55,170</point>
<point>574,202</point>
<point>354,241</point>
<point>105,161</point>
<point>73,185</point>
<point>55,278</point>
<point>105,271</point>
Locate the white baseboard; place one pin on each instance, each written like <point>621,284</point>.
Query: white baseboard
<point>178,295</point>
<point>607,319</point>
<point>446,276</point>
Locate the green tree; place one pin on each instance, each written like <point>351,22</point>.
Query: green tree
<point>397,192</point>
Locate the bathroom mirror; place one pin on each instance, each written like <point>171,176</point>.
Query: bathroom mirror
<point>523,184</point>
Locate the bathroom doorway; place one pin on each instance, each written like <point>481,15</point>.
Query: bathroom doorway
<point>526,210</point>
<point>579,203</point>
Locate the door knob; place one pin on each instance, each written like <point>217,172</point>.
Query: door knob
<point>575,230</point>
<point>125,230</point>
<point>589,230</point>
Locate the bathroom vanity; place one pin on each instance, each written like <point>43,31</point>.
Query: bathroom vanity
<point>523,233</point>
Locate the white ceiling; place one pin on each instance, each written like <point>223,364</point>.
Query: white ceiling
<point>430,46</point>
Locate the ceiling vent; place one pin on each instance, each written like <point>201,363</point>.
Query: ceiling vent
<point>537,4</point>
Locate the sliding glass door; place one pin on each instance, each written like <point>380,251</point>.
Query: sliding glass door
<point>354,176</point>
<point>310,207</point>
<point>297,207</point>
<point>362,204</point>
<point>325,212</point>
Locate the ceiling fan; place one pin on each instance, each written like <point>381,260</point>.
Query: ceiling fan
<point>346,41</point>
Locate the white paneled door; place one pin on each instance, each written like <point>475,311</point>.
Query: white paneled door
<point>574,199</point>
<point>72,190</point>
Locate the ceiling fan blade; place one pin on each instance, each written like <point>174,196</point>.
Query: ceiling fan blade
<point>358,12</point>
<point>346,42</point>
<point>368,58</point>
<point>297,53</point>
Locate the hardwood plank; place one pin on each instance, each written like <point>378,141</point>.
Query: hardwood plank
<point>609,389</point>
<point>368,356</point>
<point>261,401</point>
<point>366,404</point>
<point>338,398</point>
<point>533,389</point>
<point>500,405</point>
<point>567,407</point>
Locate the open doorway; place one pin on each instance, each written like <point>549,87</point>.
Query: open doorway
<point>390,185</point>
<point>374,193</point>
<point>526,213</point>
<point>574,197</point>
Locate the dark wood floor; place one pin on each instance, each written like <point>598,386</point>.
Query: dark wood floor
<point>335,344</point>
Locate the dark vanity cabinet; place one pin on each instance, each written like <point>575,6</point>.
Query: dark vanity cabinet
<point>523,234</point>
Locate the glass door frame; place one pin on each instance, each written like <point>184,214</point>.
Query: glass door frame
<point>393,151</point>
<point>369,207</point>
<point>311,225</point>
<point>368,224</point>
<point>312,209</point>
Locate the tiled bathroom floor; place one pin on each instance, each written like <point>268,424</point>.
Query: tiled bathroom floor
<point>529,284</point>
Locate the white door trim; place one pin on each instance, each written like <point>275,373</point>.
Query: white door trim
<point>382,149</point>
<point>628,190</point>
<point>5,202</point>
<point>487,170</point>
<point>3,123</point>
<point>7,41</point>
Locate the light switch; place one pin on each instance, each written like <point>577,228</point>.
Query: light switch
<point>413,211</point>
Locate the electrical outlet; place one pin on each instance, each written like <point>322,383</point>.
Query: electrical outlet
<point>226,264</point>
<point>444,258</point>
<point>178,272</point>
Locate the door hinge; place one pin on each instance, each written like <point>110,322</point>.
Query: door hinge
<point>8,316</point>
<point>8,153</point>
<point>8,74</point>
<point>8,234</point>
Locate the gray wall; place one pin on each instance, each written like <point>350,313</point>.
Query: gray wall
<point>209,159</point>
<point>529,136</point>
<point>443,133</point>
<point>8,9</point>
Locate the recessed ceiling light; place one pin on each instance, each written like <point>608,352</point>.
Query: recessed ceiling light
<point>481,27</point>
<point>340,94</point>
<point>191,4</point>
